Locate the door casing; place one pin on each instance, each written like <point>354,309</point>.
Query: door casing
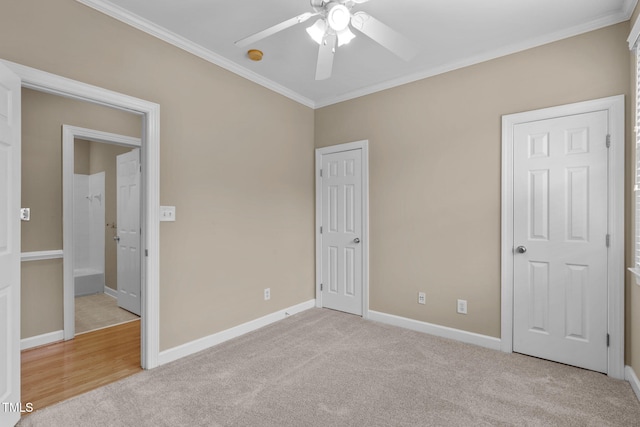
<point>50,83</point>
<point>615,276</point>
<point>358,145</point>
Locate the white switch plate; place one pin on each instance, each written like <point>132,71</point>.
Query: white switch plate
<point>167,213</point>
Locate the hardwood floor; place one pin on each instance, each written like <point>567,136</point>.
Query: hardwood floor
<point>59,371</point>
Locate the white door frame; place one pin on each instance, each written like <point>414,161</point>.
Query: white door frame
<point>358,145</point>
<point>150,154</point>
<point>615,306</point>
<point>69,134</point>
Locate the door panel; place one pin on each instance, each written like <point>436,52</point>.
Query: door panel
<point>128,218</point>
<point>560,217</point>
<point>10,166</point>
<point>342,231</point>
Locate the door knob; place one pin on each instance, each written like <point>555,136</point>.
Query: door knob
<point>521,249</point>
<point>356,240</point>
<point>116,238</point>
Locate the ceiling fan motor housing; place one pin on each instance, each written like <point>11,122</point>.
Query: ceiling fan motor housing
<point>338,16</point>
<point>333,29</point>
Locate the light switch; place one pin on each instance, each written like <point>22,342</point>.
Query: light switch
<point>167,213</point>
<point>25,214</point>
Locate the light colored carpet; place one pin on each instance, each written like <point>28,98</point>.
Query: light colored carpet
<point>325,368</point>
<point>99,311</point>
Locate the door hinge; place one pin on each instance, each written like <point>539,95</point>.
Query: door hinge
<point>320,229</point>
<point>320,173</point>
<point>146,252</point>
<point>608,141</point>
<point>608,240</point>
<point>140,168</point>
<point>321,286</point>
<point>608,340</point>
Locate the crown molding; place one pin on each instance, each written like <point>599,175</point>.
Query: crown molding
<point>628,7</point>
<point>120,14</point>
<point>180,42</point>
<point>484,57</point>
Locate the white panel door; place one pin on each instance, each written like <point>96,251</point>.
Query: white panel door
<point>10,158</point>
<point>342,231</point>
<point>128,218</point>
<point>560,239</point>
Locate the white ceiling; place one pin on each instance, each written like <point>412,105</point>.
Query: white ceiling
<point>449,33</point>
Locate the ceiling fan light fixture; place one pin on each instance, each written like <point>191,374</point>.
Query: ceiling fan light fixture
<point>345,36</point>
<point>338,17</point>
<point>317,30</point>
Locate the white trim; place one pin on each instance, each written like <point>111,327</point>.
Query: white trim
<point>478,59</point>
<point>630,376</point>
<point>615,305</point>
<point>40,340</point>
<point>180,42</point>
<point>628,7</point>
<point>41,255</point>
<point>437,330</point>
<point>69,134</point>
<point>111,292</point>
<point>51,83</point>
<point>357,145</point>
<point>99,136</point>
<point>204,343</point>
<point>634,34</point>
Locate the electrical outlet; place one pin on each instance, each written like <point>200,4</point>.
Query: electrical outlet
<point>267,294</point>
<point>462,306</point>
<point>25,214</point>
<point>422,298</point>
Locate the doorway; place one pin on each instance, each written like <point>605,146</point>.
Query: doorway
<point>97,154</point>
<point>562,234</point>
<point>17,76</point>
<point>342,230</point>
<point>150,112</point>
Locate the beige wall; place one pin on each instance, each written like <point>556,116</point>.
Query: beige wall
<point>81,158</point>
<point>236,161</point>
<point>42,118</point>
<point>435,170</point>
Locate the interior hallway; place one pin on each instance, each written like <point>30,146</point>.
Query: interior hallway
<point>62,370</point>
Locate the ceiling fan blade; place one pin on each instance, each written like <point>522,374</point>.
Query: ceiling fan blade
<point>276,28</point>
<point>325,57</point>
<point>384,35</point>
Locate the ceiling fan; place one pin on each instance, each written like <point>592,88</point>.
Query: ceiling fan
<point>333,27</point>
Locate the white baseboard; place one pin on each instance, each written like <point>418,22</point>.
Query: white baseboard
<point>192,347</point>
<point>111,292</point>
<point>437,330</point>
<point>44,339</point>
<point>630,376</point>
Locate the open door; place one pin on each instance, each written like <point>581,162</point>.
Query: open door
<point>128,238</point>
<point>10,169</point>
